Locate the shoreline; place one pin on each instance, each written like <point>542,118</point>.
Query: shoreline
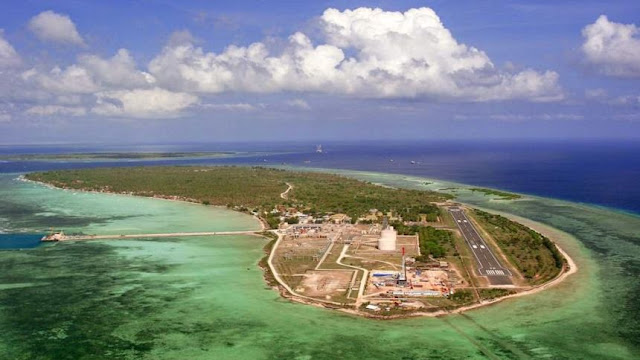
<point>570,269</point>
<point>263,225</point>
<point>548,231</point>
<point>526,196</point>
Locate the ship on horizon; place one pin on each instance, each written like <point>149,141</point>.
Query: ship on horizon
<point>319,149</point>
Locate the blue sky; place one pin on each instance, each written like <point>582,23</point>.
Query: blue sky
<point>176,71</point>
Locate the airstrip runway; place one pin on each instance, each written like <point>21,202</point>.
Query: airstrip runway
<point>488,264</point>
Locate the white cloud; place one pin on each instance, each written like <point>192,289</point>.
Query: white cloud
<point>51,26</point>
<point>230,107</point>
<point>299,104</point>
<point>181,37</point>
<point>45,110</point>
<point>69,99</point>
<point>601,96</point>
<point>142,103</point>
<point>5,116</point>
<point>521,117</point>
<point>92,74</point>
<point>625,100</point>
<point>627,117</point>
<point>120,70</point>
<point>596,94</point>
<point>8,55</point>
<point>401,108</point>
<point>74,79</point>
<point>109,87</point>
<point>396,54</point>
<point>365,53</point>
<point>613,48</point>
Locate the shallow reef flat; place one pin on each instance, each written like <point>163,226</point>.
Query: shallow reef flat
<point>205,298</point>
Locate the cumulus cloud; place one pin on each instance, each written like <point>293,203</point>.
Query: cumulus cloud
<point>395,54</point>
<point>51,26</point>
<point>364,53</point>
<point>45,110</point>
<point>613,48</point>
<point>73,79</point>
<point>8,55</point>
<point>108,86</point>
<point>299,104</point>
<point>142,103</point>
<point>92,74</point>
<point>119,70</point>
<point>181,37</point>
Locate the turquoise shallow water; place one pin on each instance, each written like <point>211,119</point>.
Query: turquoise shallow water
<point>204,298</point>
<point>26,206</point>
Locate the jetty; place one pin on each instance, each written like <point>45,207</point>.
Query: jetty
<point>60,236</point>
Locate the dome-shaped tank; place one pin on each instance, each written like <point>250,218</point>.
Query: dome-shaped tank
<point>387,241</point>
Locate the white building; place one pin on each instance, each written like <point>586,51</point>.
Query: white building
<point>387,240</point>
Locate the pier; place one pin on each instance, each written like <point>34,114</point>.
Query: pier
<point>60,236</point>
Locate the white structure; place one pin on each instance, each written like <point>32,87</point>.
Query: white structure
<point>387,241</point>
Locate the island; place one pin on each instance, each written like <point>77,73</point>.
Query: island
<point>501,195</point>
<point>96,156</point>
<point>351,245</point>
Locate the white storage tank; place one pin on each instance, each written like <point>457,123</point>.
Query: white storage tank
<point>387,241</point>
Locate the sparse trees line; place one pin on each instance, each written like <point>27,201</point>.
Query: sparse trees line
<point>535,256</point>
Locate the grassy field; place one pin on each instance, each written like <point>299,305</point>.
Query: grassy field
<point>250,188</point>
<point>534,255</point>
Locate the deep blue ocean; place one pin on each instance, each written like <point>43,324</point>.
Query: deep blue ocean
<point>605,173</point>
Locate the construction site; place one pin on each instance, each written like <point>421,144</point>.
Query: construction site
<point>366,266</point>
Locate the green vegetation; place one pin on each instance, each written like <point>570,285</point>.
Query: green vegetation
<point>434,242</point>
<point>501,194</point>
<point>490,294</point>
<point>462,297</point>
<point>430,211</point>
<point>246,188</point>
<point>324,193</point>
<point>535,256</point>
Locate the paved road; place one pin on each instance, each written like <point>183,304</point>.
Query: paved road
<point>488,264</point>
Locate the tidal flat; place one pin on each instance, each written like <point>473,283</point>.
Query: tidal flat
<point>205,298</point>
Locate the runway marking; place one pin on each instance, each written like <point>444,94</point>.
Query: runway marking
<point>477,245</point>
